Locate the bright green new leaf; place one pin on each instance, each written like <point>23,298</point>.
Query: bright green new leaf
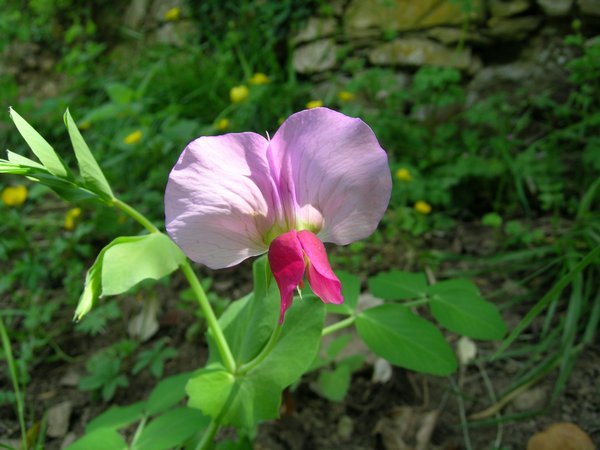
<point>126,261</point>
<point>350,292</point>
<point>91,289</point>
<point>88,167</point>
<point>397,285</point>
<point>39,146</point>
<point>100,439</point>
<point>117,417</point>
<point>138,258</point>
<point>24,161</point>
<point>167,393</point>
<point>405,339</point>
<point>171,429</point>
<point>467,313</point>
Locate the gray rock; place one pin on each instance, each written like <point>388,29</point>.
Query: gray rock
<point>531,399</point>
<point>506,78</point>
<point>556,7</point>
<point>506,8</point>
<point>451,36</point>
<point>318,56</point>
<point>368,17</point>
<point>70,379</point>
<point>136,13</point>
<point>512,29</point>
<point>589,7</point>
<point>58,419</point>
<point>419,52</point>
<point>315,28</point>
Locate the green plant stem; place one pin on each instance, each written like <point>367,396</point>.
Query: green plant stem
<point>138,431</point>
<point>413,303</point>
<point>245,368</point>
<point>8,355</point>
<point>136,215</point>
<point>210,317</point>
<point>209,436</point>
<point>338,325</point>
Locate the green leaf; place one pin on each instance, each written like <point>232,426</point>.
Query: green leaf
<point>129,260</point>
<point>88,167</point>
<point>39,146</point>
<point>405,339</point>
<point>117,417</point>
<point>350,292</point>
<point>171,429</point>
<point>459,284</point>
<point>91,289</point>
<point>466,313</point>
<point>167,393</point>
<point>397,285</point>
<point>245,400</point>
<point>337,345</point>
<point>100,439</point>
<point>23,161</point>
<point>334,384</point>
<point>248,323</point>
<point>119,93</point>
<point>126,261</point>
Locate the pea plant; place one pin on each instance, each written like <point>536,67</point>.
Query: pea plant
<point>322,177</point>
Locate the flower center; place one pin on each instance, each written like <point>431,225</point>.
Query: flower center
<point>305,217</point>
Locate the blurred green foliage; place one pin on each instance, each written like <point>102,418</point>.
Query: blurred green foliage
<point>505,160</point>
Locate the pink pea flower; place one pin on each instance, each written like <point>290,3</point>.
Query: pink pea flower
<point>323,177</point>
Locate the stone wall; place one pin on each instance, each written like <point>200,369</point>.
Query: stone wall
<point>516,40</point>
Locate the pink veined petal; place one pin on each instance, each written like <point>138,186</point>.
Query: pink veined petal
<point>323,282</point>
<point>287,264</point>
<point>220,197</point>
<point>334,163</point>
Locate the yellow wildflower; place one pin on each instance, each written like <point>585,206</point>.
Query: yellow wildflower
<point>14,195</point>
<point>314,104</point>
<point>133,138</point>
<point>403,174</point>
<point>222,124</point>
<point>173,14</point>
<point>85,125</point>
<point>71,217</point>
<point>345,96</point>
<point>238,94</point>
<point>259,78</point>
<point>423,207</point>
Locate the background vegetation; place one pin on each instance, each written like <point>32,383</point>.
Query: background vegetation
<point>516,174</point>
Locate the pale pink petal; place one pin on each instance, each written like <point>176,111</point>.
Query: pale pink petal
<point>333,163</point>
<point>323,282</point>
<point>287,264</point>
<point>219,201</point>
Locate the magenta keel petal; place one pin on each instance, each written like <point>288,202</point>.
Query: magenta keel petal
<point>323,282</point>
<point>287,264</point>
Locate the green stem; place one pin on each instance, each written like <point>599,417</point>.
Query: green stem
<point>209,436</point>
<point>136,215</point>
<point>421,301</point>
<point>210,317</point>
<point>245,368</point>
<point>138,431</point>
<point>338,325</point>
<point>8,355</point>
